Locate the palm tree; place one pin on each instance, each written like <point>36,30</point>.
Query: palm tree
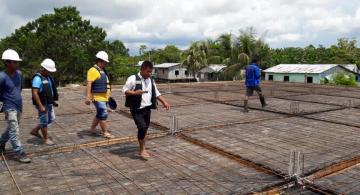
<point>244,47</point>
<point>142,49</point>
<point>196,57</point>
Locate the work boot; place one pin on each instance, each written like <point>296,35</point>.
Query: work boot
<point>245,106</point>
<point>2,147</point>
<point>262,100</point>
<point>22,157</point>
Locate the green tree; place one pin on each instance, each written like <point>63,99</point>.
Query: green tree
<point>245,47</point>
<point>196,57</point>
<point>169,54</point>
<point>343,79</point>
<point>120,67</point>
<point>142,49</point>
<point>118,48</point>
<point>64,36</point>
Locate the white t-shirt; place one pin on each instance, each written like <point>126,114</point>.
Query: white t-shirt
<point>146,84</point>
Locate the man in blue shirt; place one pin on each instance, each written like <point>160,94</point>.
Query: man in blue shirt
<point>10,95</point>
<point>252,82</point>
<point>44,95</point>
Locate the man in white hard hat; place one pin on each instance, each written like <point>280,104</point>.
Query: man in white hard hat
<point>10,95</point>
<point>44,95</point>
<point>98,92</point>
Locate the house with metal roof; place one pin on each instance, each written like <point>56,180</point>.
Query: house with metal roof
<point>308,73</point>
<point>211,72</point>
<point>171,72</point>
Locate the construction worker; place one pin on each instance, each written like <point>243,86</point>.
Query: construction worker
<point>44,95</point>
<point>141,96</point>
<point>10,95</point>
<point>252,82</point>
<point>98,92</point>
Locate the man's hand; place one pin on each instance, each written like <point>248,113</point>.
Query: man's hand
<point>42,108</point>
<point>164,102</point>
<point>88,101</point>
<point>166,105</point>
<point>139,92</point>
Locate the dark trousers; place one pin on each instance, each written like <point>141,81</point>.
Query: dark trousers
<point>142,120</point>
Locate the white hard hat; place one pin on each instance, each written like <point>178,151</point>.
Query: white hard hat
<point>10,54</point>
<point>49,65</point>
<point>102,55</point>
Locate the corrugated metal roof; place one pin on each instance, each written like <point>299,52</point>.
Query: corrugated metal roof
<point>166,65</point>
<point>301,68</point>
<point>352,67</point>
<point>213,68</point>
<point>217,67</point>
<point>139,63</point>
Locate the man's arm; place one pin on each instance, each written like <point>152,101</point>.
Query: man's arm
<point>133,92</point>
<point>1,87</point>
<point>129,87</point>
<point>88,93</point>
<point>161,98</point>
<point>37,99</point>
<point>164,102</point>
<point>258,73</point>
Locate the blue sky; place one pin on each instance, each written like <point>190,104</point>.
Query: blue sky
<point>157,23</point>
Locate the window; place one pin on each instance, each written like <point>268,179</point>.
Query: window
<point>271,77</point>
<point>186,73</point>
<point>163,71</point>
<point>176,72</point>
<point>309,80</point>
<point>211,75</point>
<point>286,78</point>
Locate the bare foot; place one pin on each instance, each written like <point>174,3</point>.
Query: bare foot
<point>107,135</point>
<point>48,142</point>
<point>93,131</point>
<point>144,155</point>
<point>36,134</point>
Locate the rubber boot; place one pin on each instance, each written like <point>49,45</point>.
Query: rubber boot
<point>245,106</point>
<point>262,100</point>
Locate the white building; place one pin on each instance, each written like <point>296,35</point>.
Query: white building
<point>171,72</point>
<point>210,73</point>
<point>309,73</point>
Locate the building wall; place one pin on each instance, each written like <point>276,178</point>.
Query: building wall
<point>161,73</point>
<point>170,73</point>
<point>208,76</point>
<point>297,78</point>
<point>333,71</point>
<point>301,77</point>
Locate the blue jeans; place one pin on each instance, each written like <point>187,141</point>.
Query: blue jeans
<point>11,133</point>
<point>101,110</point>
<point>47,117</point>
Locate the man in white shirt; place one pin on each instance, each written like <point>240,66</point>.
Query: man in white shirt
<point>141,96</point>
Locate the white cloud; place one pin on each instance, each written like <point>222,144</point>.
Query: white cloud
<point>291,37</point>
<point>160,22</point>
<point>126,30</point>
<point>180,28</point>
